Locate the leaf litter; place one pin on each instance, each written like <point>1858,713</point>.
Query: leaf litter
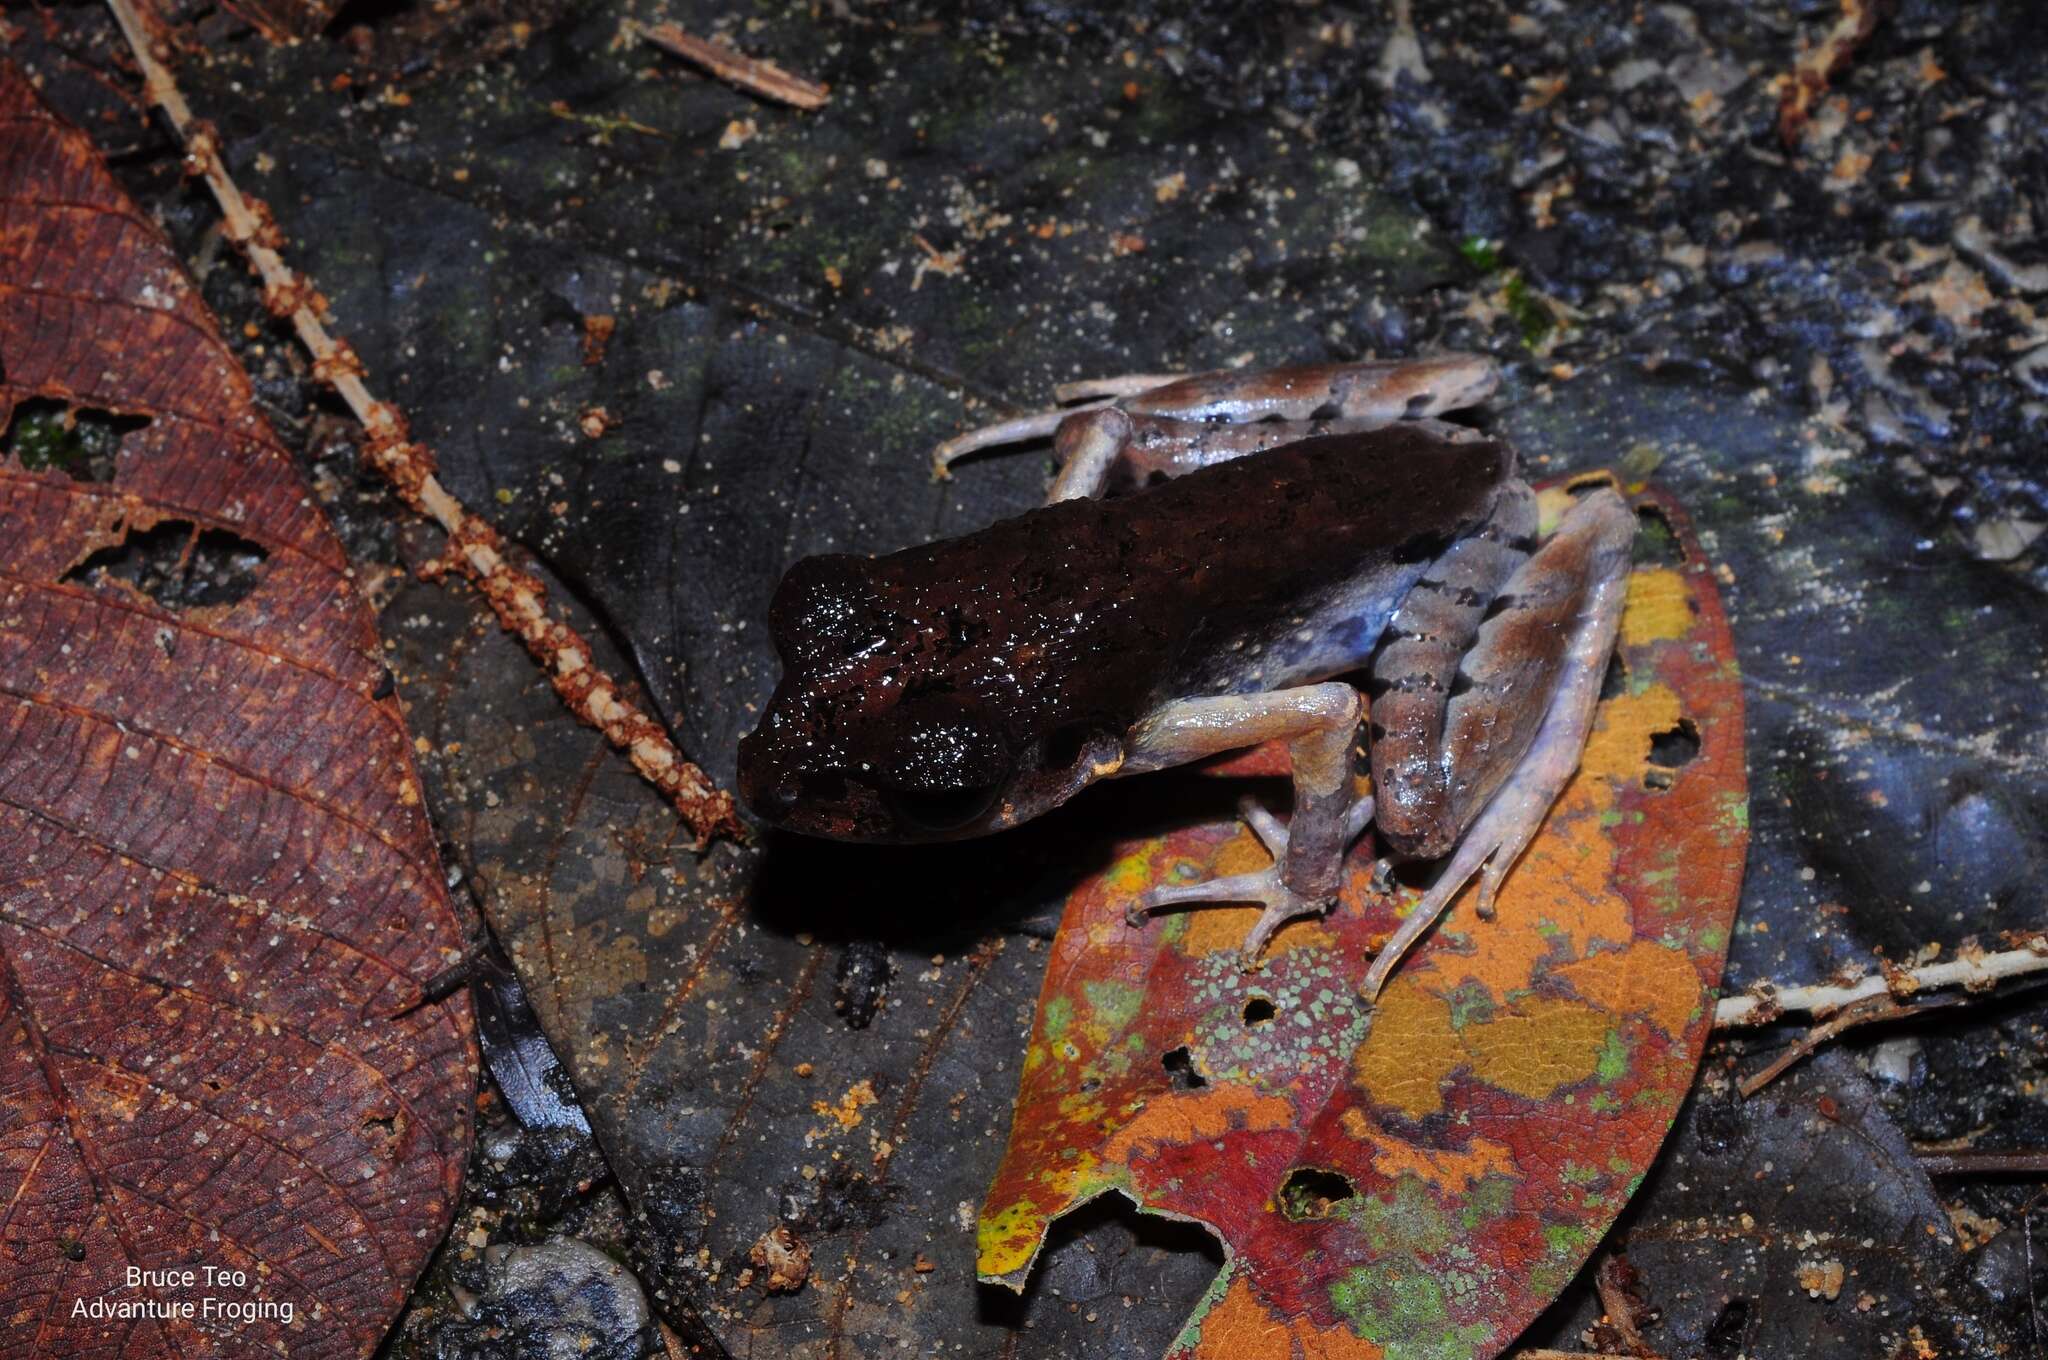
<point>220,897</point>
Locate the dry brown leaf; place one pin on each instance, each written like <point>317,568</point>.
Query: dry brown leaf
<point>220,899</point>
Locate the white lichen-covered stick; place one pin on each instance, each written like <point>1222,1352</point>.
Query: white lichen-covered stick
<point>1971,968</point>
<point>474,548</point>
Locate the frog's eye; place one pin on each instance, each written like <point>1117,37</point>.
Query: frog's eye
<point>943,809</point>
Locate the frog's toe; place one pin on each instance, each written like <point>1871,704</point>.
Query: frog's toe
<point>1253,887</point>
<point>1283,906</point>
<point>1264,888</point>
<point>1272,833</point>
<point>1267,887</point>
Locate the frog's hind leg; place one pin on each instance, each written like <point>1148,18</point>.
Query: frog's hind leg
<point>1550,633</point>
<point>1320,725</point>
<point>1429,788</point>
<point>1375,390</point>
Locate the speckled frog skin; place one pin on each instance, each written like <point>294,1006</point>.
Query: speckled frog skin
<point>964,686</point>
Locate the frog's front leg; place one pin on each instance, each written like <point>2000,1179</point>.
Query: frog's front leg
<point>1320,725</point>
<point>1519,712</point>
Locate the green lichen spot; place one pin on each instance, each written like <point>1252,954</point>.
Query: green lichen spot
<point>1613,1064</point>
<point>1471,1003</point>
<point>1115,1004</point>
<point>1409,1224</point>
<point>1059,1013</point>
<point>1491,1198</point>
<point>1405,1311</point>
<point>1191,1335</point>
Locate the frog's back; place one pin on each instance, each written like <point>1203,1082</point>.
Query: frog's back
<point>1253,574</point>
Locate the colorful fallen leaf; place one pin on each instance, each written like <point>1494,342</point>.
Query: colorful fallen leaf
<point>1418,1184</point>
<point>220,897</point>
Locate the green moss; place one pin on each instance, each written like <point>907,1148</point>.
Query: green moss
<point>1482,254</point>
<point>50,436</point>
<point>1531,314</point>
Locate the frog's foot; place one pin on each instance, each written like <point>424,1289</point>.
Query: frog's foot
<point>1267,887</point>
<point>1036,425</point>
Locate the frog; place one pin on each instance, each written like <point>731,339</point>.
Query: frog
<point>1217,554</point>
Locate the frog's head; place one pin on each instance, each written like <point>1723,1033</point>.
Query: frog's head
<point>906,713</point>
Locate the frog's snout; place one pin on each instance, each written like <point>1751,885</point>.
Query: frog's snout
<point>769,794</point>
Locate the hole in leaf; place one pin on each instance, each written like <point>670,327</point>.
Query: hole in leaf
<point>1670,749</point>
<point>1311,1192</point>
<point>381,1127</point>
<point>178,565</point>
<point>1258,1010</point>
<point>1656,542</point>
<point>1615,682</point>
<point>1675,746</point>
<point>74,1250</point>
<point>1180,1069</point>
<point>79,441</point>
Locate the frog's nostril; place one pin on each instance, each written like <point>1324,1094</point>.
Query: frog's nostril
<point>775,801</point>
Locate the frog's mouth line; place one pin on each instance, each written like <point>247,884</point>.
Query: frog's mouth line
<point>837,805</point>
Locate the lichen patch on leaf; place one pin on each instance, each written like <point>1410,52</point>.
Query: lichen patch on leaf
<point>1413,1183</point>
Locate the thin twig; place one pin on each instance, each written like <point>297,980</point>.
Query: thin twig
<point>764,78</point>
<point>474,548</point>
<point>1973,1162</point>
<point>1867,1011</point>
<point>2027,1240</point>
<point>1971,968</point>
